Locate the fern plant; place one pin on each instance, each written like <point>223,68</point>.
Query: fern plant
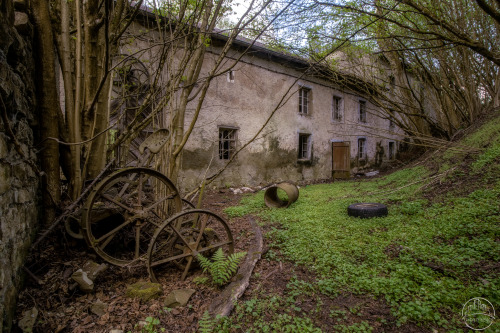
<point>221,268</point>
<point>206,323</point>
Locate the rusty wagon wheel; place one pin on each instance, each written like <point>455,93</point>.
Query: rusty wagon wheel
<point>130,75</point>
<point>178,241</point>
<point>123,211</point>
<point>186,204</point>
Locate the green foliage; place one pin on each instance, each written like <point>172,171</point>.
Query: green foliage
<point>221,268</point>
<point>419,258</point>
<point>487,135</point>
<point>412,207</point>
<point>361,327</point>
<point>251,316</point>
<point>206,323</point>
<point>248,205</point>
<point>200,280</point>
<point>425,259</point>
<point>491,154</point>
<point>339,314</point>
<point>189,10</point>
<point>151,326</point>
<point>489,132</point>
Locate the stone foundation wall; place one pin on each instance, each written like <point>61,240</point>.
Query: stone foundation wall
<point>18,176</point>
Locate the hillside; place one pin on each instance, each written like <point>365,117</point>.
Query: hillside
<point>411,271</point>
<point>321,270</point>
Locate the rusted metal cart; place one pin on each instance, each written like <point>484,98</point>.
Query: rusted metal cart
<point>135,216</point>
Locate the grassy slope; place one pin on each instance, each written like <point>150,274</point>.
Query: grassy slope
<point>439,246</point>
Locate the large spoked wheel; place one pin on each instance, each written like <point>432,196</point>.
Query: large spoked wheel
<point>130,75</point>
<point>182,237</point>
<point>123,211</point>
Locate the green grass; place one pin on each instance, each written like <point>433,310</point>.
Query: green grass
<point>425,259</point>
<point>486,134</point>
<point>252,315</point>
<point>351,253</point>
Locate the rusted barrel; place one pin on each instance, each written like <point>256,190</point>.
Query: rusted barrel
<point>281,195</point>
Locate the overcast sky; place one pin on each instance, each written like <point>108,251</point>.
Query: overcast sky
<point>239,7</point>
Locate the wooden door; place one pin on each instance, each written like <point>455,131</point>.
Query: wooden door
<point>341,160</point>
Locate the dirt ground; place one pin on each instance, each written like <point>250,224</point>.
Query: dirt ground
<point>63,308</point>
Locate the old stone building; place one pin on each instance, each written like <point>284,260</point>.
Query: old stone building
<point>322,130</point>
<point>315,127</point>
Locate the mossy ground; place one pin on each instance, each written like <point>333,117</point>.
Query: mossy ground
<point>438,248</point>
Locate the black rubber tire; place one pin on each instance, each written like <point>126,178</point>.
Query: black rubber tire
<point>367,210</point>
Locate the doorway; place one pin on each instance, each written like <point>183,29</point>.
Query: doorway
<point>341,160</point>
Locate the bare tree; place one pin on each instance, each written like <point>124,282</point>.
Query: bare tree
<point>430,66</point>
<point>47,99</point>
<point>126,70</point>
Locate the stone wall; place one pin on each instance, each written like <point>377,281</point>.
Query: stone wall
<point>18,179</point>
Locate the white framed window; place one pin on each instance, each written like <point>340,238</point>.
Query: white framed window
<point>304,146</point>
<point>230,76</point>
<point>361,148</point>
<point>362,111</point>
<point>304,100</point>
<point>337,108</point>
<point>227,142</point>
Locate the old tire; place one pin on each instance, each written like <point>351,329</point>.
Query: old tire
<point>367,210</point>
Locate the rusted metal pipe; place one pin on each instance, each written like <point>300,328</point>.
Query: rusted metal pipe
<point>272,199</point>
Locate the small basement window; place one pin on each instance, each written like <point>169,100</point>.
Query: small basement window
<point>304,146</point>
<point>227,143</point>
<point>304,99</point>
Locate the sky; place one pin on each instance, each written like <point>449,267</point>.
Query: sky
<point>239,6</point>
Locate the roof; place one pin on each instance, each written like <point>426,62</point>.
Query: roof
<point>293,61</point>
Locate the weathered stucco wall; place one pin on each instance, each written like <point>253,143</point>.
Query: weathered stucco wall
<point>246,100</point>
<point>246,103</point>
<point>18,181</point>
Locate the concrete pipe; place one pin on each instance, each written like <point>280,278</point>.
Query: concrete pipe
<point>274,199</point>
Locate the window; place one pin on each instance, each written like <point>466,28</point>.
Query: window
<point>392,150</point>
<point>336,108</point>
<point>391,123</point>
<point>304,97</point>
<point>362,111</point>
<point>361,148</point>
<point>227,143</point>
<point>230,76</point>
<point>304,146</point>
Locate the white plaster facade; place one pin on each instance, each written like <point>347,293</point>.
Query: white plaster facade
<point>243,100</point>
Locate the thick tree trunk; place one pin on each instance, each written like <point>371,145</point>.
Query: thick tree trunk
<point>72,117</point>
<point>97,154</point>
<point>48,104</point>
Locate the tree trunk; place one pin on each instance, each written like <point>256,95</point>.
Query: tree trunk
<point>72,117</point>
<point>48,103</point>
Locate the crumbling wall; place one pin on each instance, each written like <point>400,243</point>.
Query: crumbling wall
<point>18,179</point>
